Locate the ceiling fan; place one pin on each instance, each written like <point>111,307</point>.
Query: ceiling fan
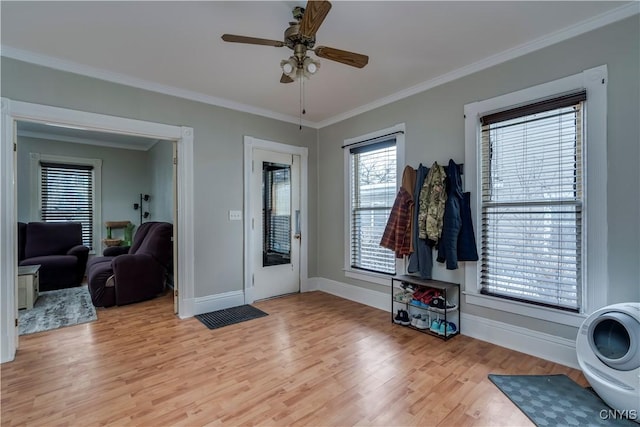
<point>301,38</point>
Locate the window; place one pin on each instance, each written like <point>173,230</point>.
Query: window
<point>535,162</point>
<point>68,189</point>
<point>532,202</point>
<point>67,195</point>
<point>276,245</point>
<point>372,170</point>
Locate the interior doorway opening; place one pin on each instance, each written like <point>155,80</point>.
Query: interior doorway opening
<point>95,178</point>
<point>15,112</point>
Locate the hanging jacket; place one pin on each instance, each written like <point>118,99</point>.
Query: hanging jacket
<point>397,233</point>
<point>451,223</point>
<point>409,176</point>
<point>467,249</point>
<point>421,260</point>
<point>433,197</point>
<point>456,244</point>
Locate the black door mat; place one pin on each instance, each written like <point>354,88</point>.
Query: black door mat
<point>556,400</point>
<point>230,316</point>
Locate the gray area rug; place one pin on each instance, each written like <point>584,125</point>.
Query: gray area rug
<point>57,309</point>
<point>556,400</point>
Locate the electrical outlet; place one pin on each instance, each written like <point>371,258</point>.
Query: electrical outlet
<point>235,215</point>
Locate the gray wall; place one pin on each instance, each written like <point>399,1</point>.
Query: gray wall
<point>161,165</point>
<point>125,174</point>
<point>218,156</point>
<point>435,132</point>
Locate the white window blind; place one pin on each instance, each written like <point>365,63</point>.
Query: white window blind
<point>532,202</point>
<point>276,213</point>
<point>67,195</point>
<point>373,191</point>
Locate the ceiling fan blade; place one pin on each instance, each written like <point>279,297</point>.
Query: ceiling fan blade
<point>285,79</point>
<point>343,56</point>
<point>314,15</point>
<point>251,40</point>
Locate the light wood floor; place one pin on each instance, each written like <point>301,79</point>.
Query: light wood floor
<point>315,360</point>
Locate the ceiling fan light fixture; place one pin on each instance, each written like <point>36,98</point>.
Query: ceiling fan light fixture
<point>300,37</point>
<point>289,67</point>
<point>310,66</point>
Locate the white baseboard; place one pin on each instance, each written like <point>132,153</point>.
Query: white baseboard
<point>545,346</point>
<point>216,302</point>
<point>5,354</point>
<point>371,298</point>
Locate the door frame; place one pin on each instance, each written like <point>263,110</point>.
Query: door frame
<point>14,111</point>
<point>249,144</point>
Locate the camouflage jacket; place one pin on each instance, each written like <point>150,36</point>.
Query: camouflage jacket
<point>432,201</point>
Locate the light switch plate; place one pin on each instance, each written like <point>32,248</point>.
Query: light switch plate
<point>235,215</point>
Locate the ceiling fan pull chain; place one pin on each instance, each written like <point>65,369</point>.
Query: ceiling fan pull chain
<point>300,101</point>
<point>304,100</point>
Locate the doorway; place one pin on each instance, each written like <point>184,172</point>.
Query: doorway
<point>275,216</point>
<point>14,111</point>
<point>275,219</point>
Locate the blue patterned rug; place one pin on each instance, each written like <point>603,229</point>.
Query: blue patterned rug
<point>57,309</point>
<point>556,400</point>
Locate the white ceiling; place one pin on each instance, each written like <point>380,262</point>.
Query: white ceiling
<point>175,47</point>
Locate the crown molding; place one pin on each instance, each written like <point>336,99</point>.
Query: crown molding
<point>596,22</point>
<point>85,70</point>
<point>601,20</point>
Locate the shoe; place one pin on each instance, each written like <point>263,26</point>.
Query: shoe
<point>408,287</point>
<point>404,318</point>
<point>440,304</point>
<point>398,317</point>
<point>416,302</point>
<point>435,325</point>
<point>403,297</point>
<point>418,293</point>
<point>450,327</point>
<point>428,296</point>
<point>423,323</point>
<point>414,319</point>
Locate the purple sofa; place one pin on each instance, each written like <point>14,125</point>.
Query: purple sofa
<point>137,275</point>
<point>57,247</point>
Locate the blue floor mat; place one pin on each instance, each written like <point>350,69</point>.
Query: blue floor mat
<point>556,400</point>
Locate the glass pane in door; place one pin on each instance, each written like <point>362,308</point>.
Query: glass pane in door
<point>276,214</point>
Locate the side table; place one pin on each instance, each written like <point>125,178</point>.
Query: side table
<point>28,285</point>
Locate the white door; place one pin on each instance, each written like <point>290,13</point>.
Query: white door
<point>275,219</point>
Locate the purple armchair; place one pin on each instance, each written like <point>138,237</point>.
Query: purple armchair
<point>57,247</point>
<point>138,275</point>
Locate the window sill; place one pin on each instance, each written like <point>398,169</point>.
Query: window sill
<point>380,279</point>
<point>523,309</point>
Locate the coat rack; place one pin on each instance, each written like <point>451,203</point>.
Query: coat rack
<point>144,198</point>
